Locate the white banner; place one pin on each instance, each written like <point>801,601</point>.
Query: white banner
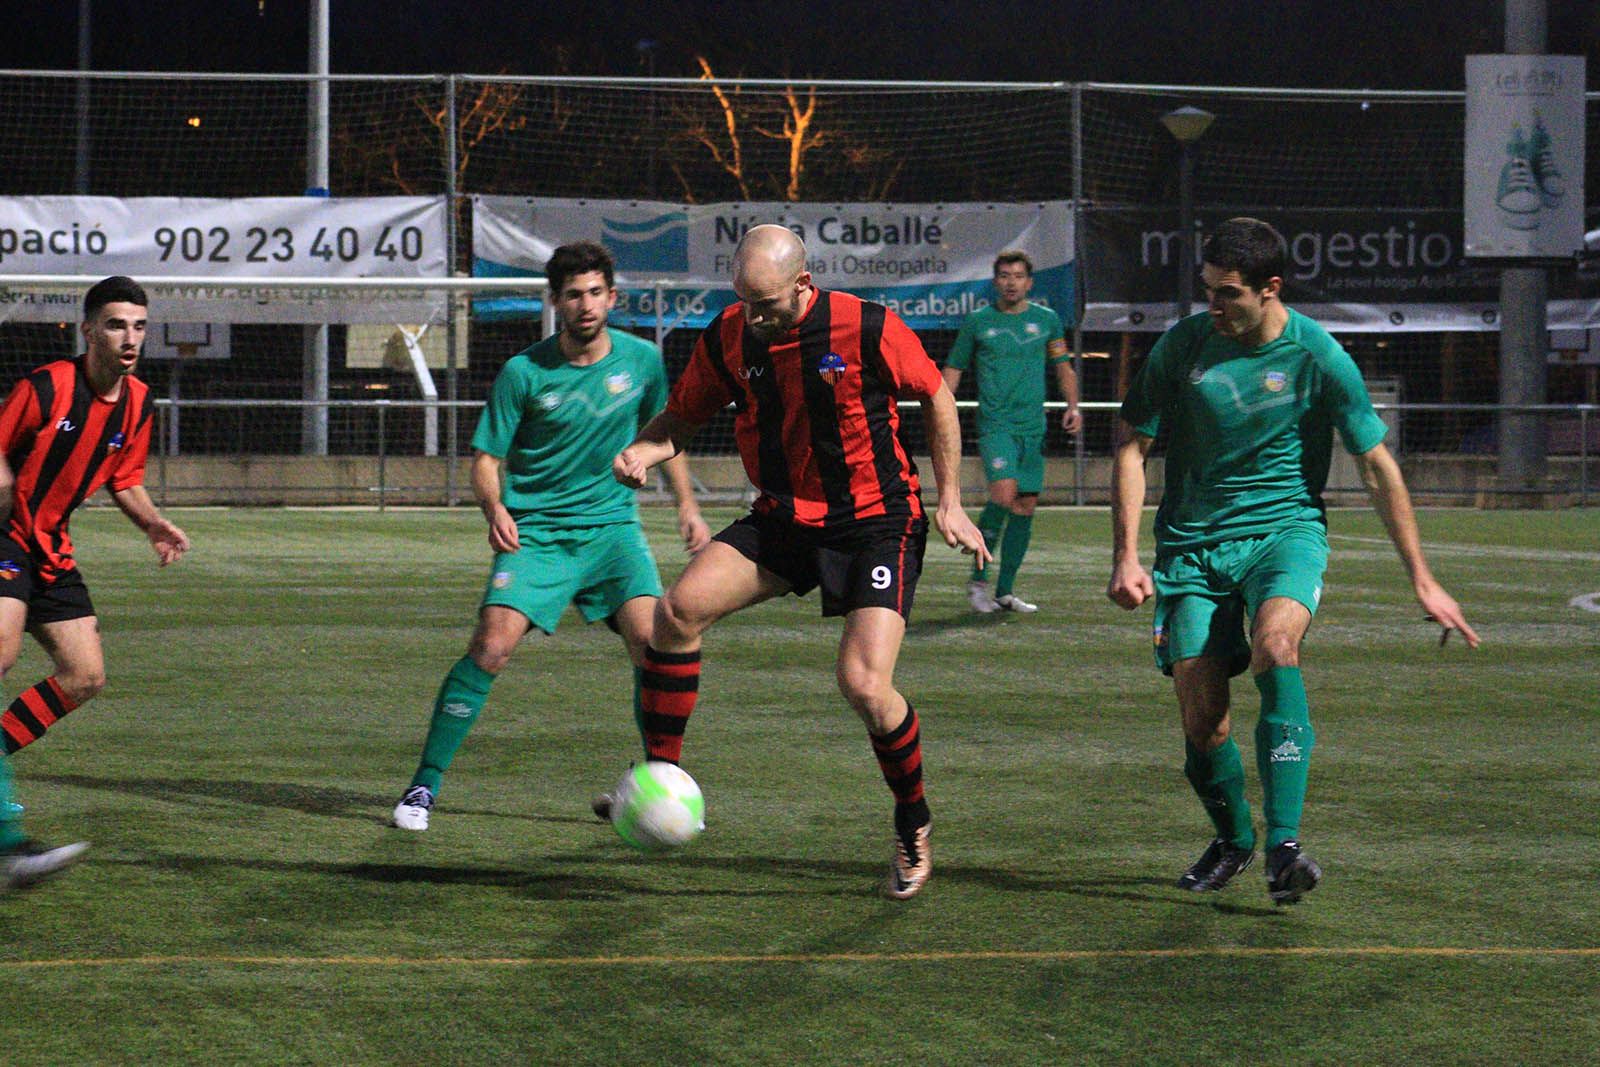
<point>932,263</point>
<point>259,237</point>
<point>1524,156</point>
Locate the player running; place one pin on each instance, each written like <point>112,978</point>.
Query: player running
<point>1009,344</point>
<point>562,530</point>
<point>1252,392</point>
<point>814,378</point>
<point>66,429</point>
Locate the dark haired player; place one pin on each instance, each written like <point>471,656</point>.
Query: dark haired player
<point>562,530</point>
<point>1252,391</point>
<point>68,428</point>
<point>814,378</point>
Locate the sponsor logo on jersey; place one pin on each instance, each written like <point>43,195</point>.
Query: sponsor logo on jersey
<point>64,424</point>
<point>549,401</point>
<point>831,368</point>
<point>116,442</point>
<point>501,579</point>
<point>1274,381</point>
<point>617,384</point>
<point>751,372</point>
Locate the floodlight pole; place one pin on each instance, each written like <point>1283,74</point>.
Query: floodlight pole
<point>314,424</point>
<point>1524,291</point>
<point>1187,125</point>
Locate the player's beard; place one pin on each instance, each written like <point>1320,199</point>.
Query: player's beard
<point>583,333</point>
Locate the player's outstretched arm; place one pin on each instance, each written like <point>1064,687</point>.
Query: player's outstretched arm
<point>169,542</point>
<point>691,524</point>
<point>503,535</point>
<point>1130,585</point>
<point>943,421</point>
<point>1392,501</point>
<point>659,440</point>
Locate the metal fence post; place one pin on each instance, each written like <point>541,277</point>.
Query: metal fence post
<point>383,454</point>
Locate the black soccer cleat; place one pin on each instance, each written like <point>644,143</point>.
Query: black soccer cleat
<point>1291,874</point>
<point>1216,867</point>
<point>601,806</point>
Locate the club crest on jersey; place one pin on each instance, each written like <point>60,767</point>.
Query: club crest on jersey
<point>116,442</point>
<point>1274,381</point>
<point>831,368</point>
<point>549,401</point>
<point>619,383</point>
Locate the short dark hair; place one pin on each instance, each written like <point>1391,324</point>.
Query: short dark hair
<point>1251,247</point>
<point>580,257</point>
<point>117,289</point>
<point>1012,255</point>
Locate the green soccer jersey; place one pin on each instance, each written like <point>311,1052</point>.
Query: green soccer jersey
<point>558,427</point>
<point>1010,352</point>
<point>1252,429</point>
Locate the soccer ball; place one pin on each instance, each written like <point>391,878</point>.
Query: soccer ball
<point>657,806</point>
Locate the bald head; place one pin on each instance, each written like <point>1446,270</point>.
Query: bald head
<point>771,280</point>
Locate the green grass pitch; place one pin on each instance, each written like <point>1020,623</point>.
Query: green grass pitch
<point>245,902</point>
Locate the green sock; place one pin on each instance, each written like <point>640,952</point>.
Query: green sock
<point>1284,741</point>
<point>990,523</point>
<point>1218,780</point>
<point>1013,546</point>
<point>456,708</point>
<point>10,824</point>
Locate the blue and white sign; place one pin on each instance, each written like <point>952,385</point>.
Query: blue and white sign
<point>931,263</point>
<point>1524,156</point>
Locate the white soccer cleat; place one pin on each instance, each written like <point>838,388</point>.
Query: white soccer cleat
<point>412,811</point>
<point>30,863</point>
<point>1012,602</point>
<point>979,597</point>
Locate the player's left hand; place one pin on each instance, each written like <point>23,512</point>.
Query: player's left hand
<point>1443,609</point>
<point>958,531</point>
<point>694,531</point>
<point>169,542</point>
<point>1072,420</point>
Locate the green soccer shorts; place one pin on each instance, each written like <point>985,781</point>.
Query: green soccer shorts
<point>1204,595</point>
<point>1007,455</point>
<point>596,570</point>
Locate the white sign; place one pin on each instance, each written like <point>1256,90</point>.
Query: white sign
<point>399,237</point>
<point>931,263</point>
<point>1524,156</point>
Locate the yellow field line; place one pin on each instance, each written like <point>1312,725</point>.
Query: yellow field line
<point>1043,955</point>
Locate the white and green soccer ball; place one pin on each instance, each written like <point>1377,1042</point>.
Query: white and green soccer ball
<point>657,806</point>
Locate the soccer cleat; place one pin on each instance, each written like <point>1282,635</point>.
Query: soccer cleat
<point>601,806</point>
<point>911,864</point>
<point>412,811</point>
<point>1291,874</point>
<point>30,863</point>
<point>1012,602</point>
<point>979,597</point>
<point>1216,867</point>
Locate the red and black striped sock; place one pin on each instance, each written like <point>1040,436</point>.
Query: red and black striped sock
<point>899,755</point>
<point>668,687</point>
<point>32,713</point>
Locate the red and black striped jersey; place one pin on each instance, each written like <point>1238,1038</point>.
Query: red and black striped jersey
<point>815,416</point>
<point>63,442</point>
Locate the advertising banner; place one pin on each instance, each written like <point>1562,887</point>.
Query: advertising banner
<point>1352,270</point>
<point>259,237</point>
<point>1524,156</point>
<point>933,264</point>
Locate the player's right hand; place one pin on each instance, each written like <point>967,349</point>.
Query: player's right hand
<point>1130,585</point>
<point>629,468</point>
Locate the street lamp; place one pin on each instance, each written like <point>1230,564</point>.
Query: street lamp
<point>1187,125</point>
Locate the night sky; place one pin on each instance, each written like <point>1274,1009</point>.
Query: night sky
<point>1310,43</point>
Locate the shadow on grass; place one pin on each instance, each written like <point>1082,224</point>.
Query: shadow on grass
<point>966,620</point>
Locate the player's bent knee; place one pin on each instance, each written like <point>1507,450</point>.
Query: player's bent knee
<point>1275,648</point>
<point>81,688</point>
<point>677,621</point>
